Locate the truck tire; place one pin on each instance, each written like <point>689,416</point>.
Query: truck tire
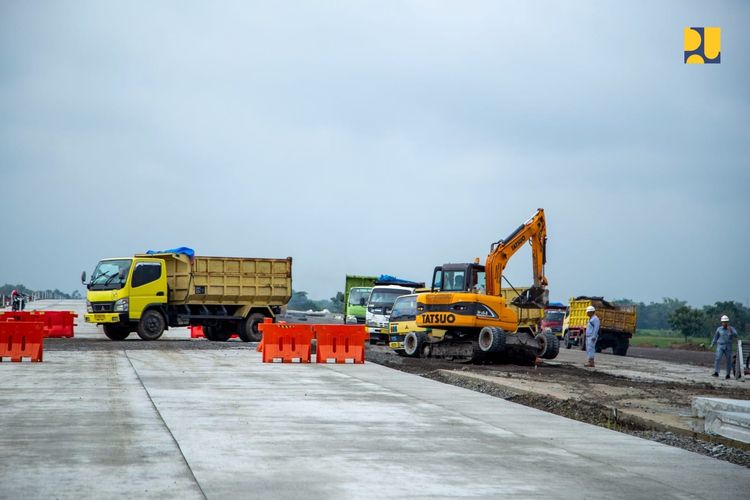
<point>249,331</point>
<point>568,342</point>
<point>414,343</point>
<point>582,340</point>
<point>220,333</point>
<point>151,326</point>
<point>621,348</point>
<point>114,332</point>
<point>549,345</point>
<point>491,339</point>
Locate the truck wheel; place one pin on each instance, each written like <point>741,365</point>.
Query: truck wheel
<point>414,344</point>
<point>220,333</point>
<point>151,326</point>
<point>549,345</point>
<point>621,348</point>
<point>249,331</point>
<point>568,342</point>
<point>114,332</point>
<point>491,339</point>
<point>582,340</point>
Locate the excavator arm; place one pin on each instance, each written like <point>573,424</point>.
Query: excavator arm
<point>535,231</point>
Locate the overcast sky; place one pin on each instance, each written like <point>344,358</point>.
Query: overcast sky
<point>379,137</point>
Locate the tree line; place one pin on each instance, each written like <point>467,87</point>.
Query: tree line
<point>301,302</point>
<point>675,314</point>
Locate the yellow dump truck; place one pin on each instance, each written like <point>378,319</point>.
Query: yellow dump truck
<point>149,293</point>
<point>616,329</point>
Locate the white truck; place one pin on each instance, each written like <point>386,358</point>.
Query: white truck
<point>379,306</point>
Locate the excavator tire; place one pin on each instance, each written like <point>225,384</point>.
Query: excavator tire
<point>414,343</point>
<point>491,339</point>
<point>549,345</point>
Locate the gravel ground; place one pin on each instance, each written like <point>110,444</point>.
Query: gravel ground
<point>583,411</point>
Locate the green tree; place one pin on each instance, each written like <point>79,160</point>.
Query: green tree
<point>687,320</point>
<point>300,302</point>
<point>739,316</point>
<point>337,302</point>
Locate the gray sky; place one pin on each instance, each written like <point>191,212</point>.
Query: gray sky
<point>379,137</point>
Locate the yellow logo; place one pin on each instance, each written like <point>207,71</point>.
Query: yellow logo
<point>703,45</point>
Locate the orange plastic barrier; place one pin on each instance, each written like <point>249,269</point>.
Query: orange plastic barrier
<point>283,343</point>
<point>59,323</point>
<point>196,332</point>
<point>56,323</point>
<point>341,343</point>
<point>21,339</point>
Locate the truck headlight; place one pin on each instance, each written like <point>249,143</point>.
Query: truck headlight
<point>121,305</point>
<point>89,307</point>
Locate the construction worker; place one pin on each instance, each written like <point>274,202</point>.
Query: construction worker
<point>592,335</point>
<point>723,339</point>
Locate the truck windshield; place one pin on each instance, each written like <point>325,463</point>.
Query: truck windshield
<point>107,274</point>
<point>554,315</point>
<point>358,296</point>
<point>404,309</point>
<point>386,297</point>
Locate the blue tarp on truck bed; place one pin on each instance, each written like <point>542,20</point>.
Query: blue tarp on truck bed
<point>386,279</point>
<point>181,250</point>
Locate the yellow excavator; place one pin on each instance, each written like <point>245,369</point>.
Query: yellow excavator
<point>465,316</point>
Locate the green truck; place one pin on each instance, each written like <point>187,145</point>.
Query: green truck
<point>356,292</point>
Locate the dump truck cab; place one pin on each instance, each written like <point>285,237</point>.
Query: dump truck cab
<point>121,289</point>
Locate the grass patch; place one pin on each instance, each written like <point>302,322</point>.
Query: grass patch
<point>665,339</point>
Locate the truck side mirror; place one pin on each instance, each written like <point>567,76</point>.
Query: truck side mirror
<point>83,277</point>
<point>363,302</point>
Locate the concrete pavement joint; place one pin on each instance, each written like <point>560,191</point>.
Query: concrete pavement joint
<point>156,409</point>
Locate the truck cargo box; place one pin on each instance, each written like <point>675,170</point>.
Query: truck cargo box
<point>527,317</point>
<point>227,280</point>
<point>612,317</point>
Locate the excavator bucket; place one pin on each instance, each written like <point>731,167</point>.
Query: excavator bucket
<point>535,297</point>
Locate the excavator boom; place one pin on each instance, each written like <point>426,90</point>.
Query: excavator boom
<point>535,231</point>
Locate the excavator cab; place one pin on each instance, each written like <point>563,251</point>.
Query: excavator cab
<point>459,278</point>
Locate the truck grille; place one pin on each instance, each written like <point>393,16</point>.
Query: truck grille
<point>102,306</point>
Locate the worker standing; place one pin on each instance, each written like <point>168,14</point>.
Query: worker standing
<point>723,339</point>
<point>592,335</point>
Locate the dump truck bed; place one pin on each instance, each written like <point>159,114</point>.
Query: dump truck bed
<point>616,318</point>
<point>227,280</point>
<point>527,317</point>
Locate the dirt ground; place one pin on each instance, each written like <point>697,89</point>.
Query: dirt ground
<point>659,411</point>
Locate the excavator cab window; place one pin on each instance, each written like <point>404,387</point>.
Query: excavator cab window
<point>476,283</point>
<point>437,278</point>
<point>453,280</point>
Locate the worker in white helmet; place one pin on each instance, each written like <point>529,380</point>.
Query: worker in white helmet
<point>592,335</point>
<point>723,339</point>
